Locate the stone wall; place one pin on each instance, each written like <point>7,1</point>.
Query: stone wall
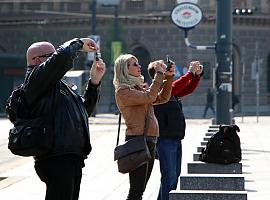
<point>159,37</point>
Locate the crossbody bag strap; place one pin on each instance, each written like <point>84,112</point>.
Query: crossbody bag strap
<point>146,125</point>
<point>119,124</point>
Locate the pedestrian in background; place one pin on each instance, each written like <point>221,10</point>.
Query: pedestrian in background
<point>61,168</point>
<point>172,127</point>
<point>135,102</point>
<point>209,102</point>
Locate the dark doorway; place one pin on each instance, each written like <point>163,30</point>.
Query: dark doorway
<point>144,59</point>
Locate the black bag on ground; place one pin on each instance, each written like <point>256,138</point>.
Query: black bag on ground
<point>223,147</point>
<point>29,136</point>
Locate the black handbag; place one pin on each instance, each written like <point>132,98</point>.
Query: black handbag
<point>34,136</point>
<point>133,153</point>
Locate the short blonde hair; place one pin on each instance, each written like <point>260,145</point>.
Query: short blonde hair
<point>121,75</point>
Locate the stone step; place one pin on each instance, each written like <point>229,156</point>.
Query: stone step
<point>196,156</point>
<point>209,134</point>
<point>214,126</point>
<point>212,168</point>
<point>207,195</point>
<point>231,182</point>
<point>199,149</point>
<point>204,143</point>
<point>212,130</point>
<point>206,138</point>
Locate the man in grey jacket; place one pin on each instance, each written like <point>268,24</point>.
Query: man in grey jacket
<point>44,90</point>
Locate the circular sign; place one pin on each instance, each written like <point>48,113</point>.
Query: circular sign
<point>186,15</point>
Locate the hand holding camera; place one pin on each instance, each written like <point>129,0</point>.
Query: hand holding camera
<point>97,71</point>
<point>200,70</point>
<point>89,45</point>
<point>195,67</point>
<point>170,70</point>
<point>159,66</point>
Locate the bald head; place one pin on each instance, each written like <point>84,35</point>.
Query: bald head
<point>37,50</point>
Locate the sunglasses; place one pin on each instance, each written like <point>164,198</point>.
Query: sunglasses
<point>43,56</point>
<point>134,64</point>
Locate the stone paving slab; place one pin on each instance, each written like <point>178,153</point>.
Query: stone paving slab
<point>231,182</point>
<point>212,168</point>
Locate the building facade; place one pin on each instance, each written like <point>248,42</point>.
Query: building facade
<point>144,29</point>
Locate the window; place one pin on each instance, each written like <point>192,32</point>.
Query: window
<point>135,4</point>
<point>239,3</point>
<point>74,7</point>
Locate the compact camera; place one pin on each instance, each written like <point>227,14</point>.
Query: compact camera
<point>169,62</point>
<point>97,56</point>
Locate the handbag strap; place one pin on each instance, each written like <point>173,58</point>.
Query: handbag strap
<point>118,132</point>
<point>146,125</point>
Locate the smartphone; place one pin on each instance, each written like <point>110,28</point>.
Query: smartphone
<point>169,62</point>
<point>97,56</point>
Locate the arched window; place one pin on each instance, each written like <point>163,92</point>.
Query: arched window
<point>143,56</point>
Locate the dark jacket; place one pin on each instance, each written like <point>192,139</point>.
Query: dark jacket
<point>170,115</point>
<point>44,91</point>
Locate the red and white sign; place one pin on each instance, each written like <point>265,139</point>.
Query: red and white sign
<point>186,15</point>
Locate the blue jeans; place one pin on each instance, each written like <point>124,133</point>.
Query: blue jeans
<point>169,153</point>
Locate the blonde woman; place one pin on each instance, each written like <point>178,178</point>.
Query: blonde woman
<point>135,103</point>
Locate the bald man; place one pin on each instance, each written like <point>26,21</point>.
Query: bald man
<point>45,92</point>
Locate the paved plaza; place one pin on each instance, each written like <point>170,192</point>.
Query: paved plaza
<point>101,181</point>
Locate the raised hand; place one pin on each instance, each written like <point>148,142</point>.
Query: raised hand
<point>89,45</point>
<point>97,71</point>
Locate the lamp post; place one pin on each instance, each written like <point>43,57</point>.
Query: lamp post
<point>116,28</point>
<point>224,62</point>
<point>94,8</point>
<point>187,15</point>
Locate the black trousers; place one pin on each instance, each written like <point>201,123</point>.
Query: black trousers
<point>62,176</point>
<point>138,178</point>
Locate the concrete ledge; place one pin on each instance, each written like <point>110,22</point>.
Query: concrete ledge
<point>212,168</point>
<point>206,139</point>
<point>214,126</point>
<point>231,182</point>
<point>207,195</point>
<point>199,149</point>
<point>204,143</point>
<point>209,134</point>
<point>212,130</point>
<point>8,181</point>
<point>196,156</point>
